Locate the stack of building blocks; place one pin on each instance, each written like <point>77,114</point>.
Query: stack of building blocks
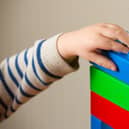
<point>110,93</point>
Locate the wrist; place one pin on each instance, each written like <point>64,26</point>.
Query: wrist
<point>64,47</point>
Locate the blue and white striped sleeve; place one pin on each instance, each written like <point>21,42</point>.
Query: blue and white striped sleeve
<point>29,72</point>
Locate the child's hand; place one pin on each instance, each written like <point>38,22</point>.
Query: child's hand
<point>87,43</point>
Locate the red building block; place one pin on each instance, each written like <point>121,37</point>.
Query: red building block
<point>108,112</point>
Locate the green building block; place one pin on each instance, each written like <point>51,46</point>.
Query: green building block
<point>109,87</point>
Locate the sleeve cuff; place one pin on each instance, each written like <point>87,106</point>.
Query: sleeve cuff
<point>53,61</point>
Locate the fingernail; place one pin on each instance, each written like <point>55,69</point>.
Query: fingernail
<point>113,68</point>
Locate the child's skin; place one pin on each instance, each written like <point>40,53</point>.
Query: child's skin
<point>87,43</point>
<point>26,74</point>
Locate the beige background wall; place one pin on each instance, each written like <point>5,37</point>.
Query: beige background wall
<point>65,105</point>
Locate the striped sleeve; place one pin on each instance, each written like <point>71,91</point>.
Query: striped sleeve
<point>29,72</point>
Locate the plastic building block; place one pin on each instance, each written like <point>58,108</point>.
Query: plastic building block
<point>98,124</point>
<point>109,87</point>
<point>122,62</point>
<point>105,126</point>
<point>95,123</point>
<point>109,113</point>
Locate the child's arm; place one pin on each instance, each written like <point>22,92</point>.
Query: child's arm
<point>89,41</point>
<point>33,70</point>
<point>29,72</point>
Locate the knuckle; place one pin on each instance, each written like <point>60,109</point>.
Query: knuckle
<point>115,28</point>
<point>118,31</point>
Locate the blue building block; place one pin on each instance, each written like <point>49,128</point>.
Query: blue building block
<point>98,124</point>
<point>105,126</point>
<point>122,62</point>
<point>95,123</point>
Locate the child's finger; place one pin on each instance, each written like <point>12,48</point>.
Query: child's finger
<point>115,32</point>
<point>102,60</point>
<point>123,37</point>
<point>118,47</point>
<point>114,46</point>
